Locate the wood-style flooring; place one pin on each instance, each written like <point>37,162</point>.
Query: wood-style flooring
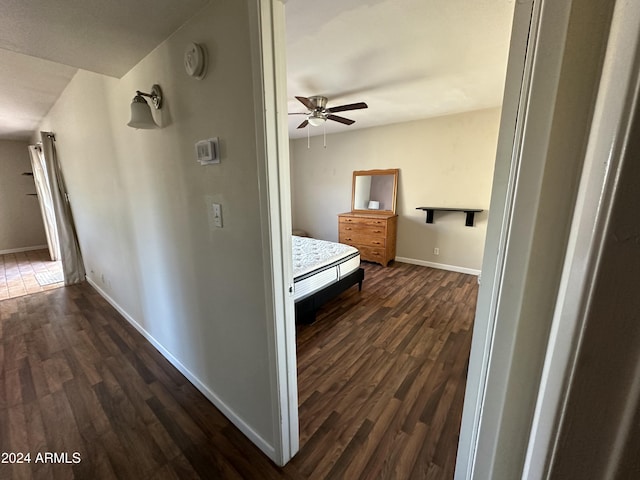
<point>381,380</point>
<point>382,375</point>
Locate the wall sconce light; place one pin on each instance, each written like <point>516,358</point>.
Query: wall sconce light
<point>141,116</point>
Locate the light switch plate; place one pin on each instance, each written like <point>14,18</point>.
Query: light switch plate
<point>217,215</point>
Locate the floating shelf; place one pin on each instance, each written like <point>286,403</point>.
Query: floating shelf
<point>470,212</point>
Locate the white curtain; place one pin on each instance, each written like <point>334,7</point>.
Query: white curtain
<point>72,264</point>
<point>39,170</point>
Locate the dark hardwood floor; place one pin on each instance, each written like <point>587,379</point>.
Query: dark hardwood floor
<point>381,380</point>
<point>382,375</point>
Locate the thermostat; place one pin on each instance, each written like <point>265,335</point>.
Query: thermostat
<point>208,151</point>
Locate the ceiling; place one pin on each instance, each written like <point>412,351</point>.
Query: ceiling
<point>407,60</point>
<point>43,42</point>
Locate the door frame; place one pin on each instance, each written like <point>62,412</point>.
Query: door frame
<point>270,95</point>
<point>616,106</point>
<point>272,87</point>
<point>536,52</point>
<point>491,446</point>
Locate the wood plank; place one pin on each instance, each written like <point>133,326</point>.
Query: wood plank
<point>12,388</point>
<point>18,440</point>
<point>56,425</point>
<point>40,384</point>
<point>26,381</point>
<point>37,439</point>
<point>354,461</point>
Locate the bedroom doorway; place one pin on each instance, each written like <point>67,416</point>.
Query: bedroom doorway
<point>524,25</point>
<point>514,235</point>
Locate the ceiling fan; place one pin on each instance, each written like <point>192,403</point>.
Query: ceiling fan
<point>319,113</point>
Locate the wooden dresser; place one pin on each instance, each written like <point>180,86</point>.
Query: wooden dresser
<point>373,234</point>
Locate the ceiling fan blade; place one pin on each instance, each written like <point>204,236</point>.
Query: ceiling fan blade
<point>336,118</point>
<point>350,106</point>
<point>303,124</point>
<point>306,102</point>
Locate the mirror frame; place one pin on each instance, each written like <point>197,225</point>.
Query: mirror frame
<point>360,173</point>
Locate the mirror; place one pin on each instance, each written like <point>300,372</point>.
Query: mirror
<point>374,191</point>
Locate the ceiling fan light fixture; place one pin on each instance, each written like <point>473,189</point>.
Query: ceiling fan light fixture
<point>318,113</point>
<point>316,119</point>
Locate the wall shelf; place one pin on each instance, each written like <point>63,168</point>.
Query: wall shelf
<point>470,213</point>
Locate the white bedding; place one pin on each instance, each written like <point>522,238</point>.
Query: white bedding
<point>318,263</point>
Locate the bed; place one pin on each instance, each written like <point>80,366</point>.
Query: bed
<point>321,271</point>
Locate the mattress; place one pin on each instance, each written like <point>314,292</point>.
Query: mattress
<point>318,263</point>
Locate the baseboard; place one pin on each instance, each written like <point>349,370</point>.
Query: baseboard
<point>227,411</point>
<point>24,249</point>
<point>441,266</point>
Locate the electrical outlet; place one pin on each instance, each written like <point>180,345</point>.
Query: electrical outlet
<point>436,251</point>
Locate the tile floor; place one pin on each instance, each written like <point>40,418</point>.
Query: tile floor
<point>18,273</point>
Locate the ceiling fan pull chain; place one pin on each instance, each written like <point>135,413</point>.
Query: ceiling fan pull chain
<point>308,136</point>
<point>324,127</point>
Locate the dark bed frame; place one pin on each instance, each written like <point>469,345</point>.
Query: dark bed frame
<point>307,307</point>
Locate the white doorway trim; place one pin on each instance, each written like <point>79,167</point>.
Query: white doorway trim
<point>499,400</point>
<point>500,231</point>
<point>270,94</point>
<point>615,108</point>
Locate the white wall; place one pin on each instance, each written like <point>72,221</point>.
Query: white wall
<point>21,226</point>
<point>445,161</point>
<point>142,207</point>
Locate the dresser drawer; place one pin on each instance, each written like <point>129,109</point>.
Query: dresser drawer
<point>362,221</point>
<point>357,238</point>
<point>372,254</point>
<point>364,229</point>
